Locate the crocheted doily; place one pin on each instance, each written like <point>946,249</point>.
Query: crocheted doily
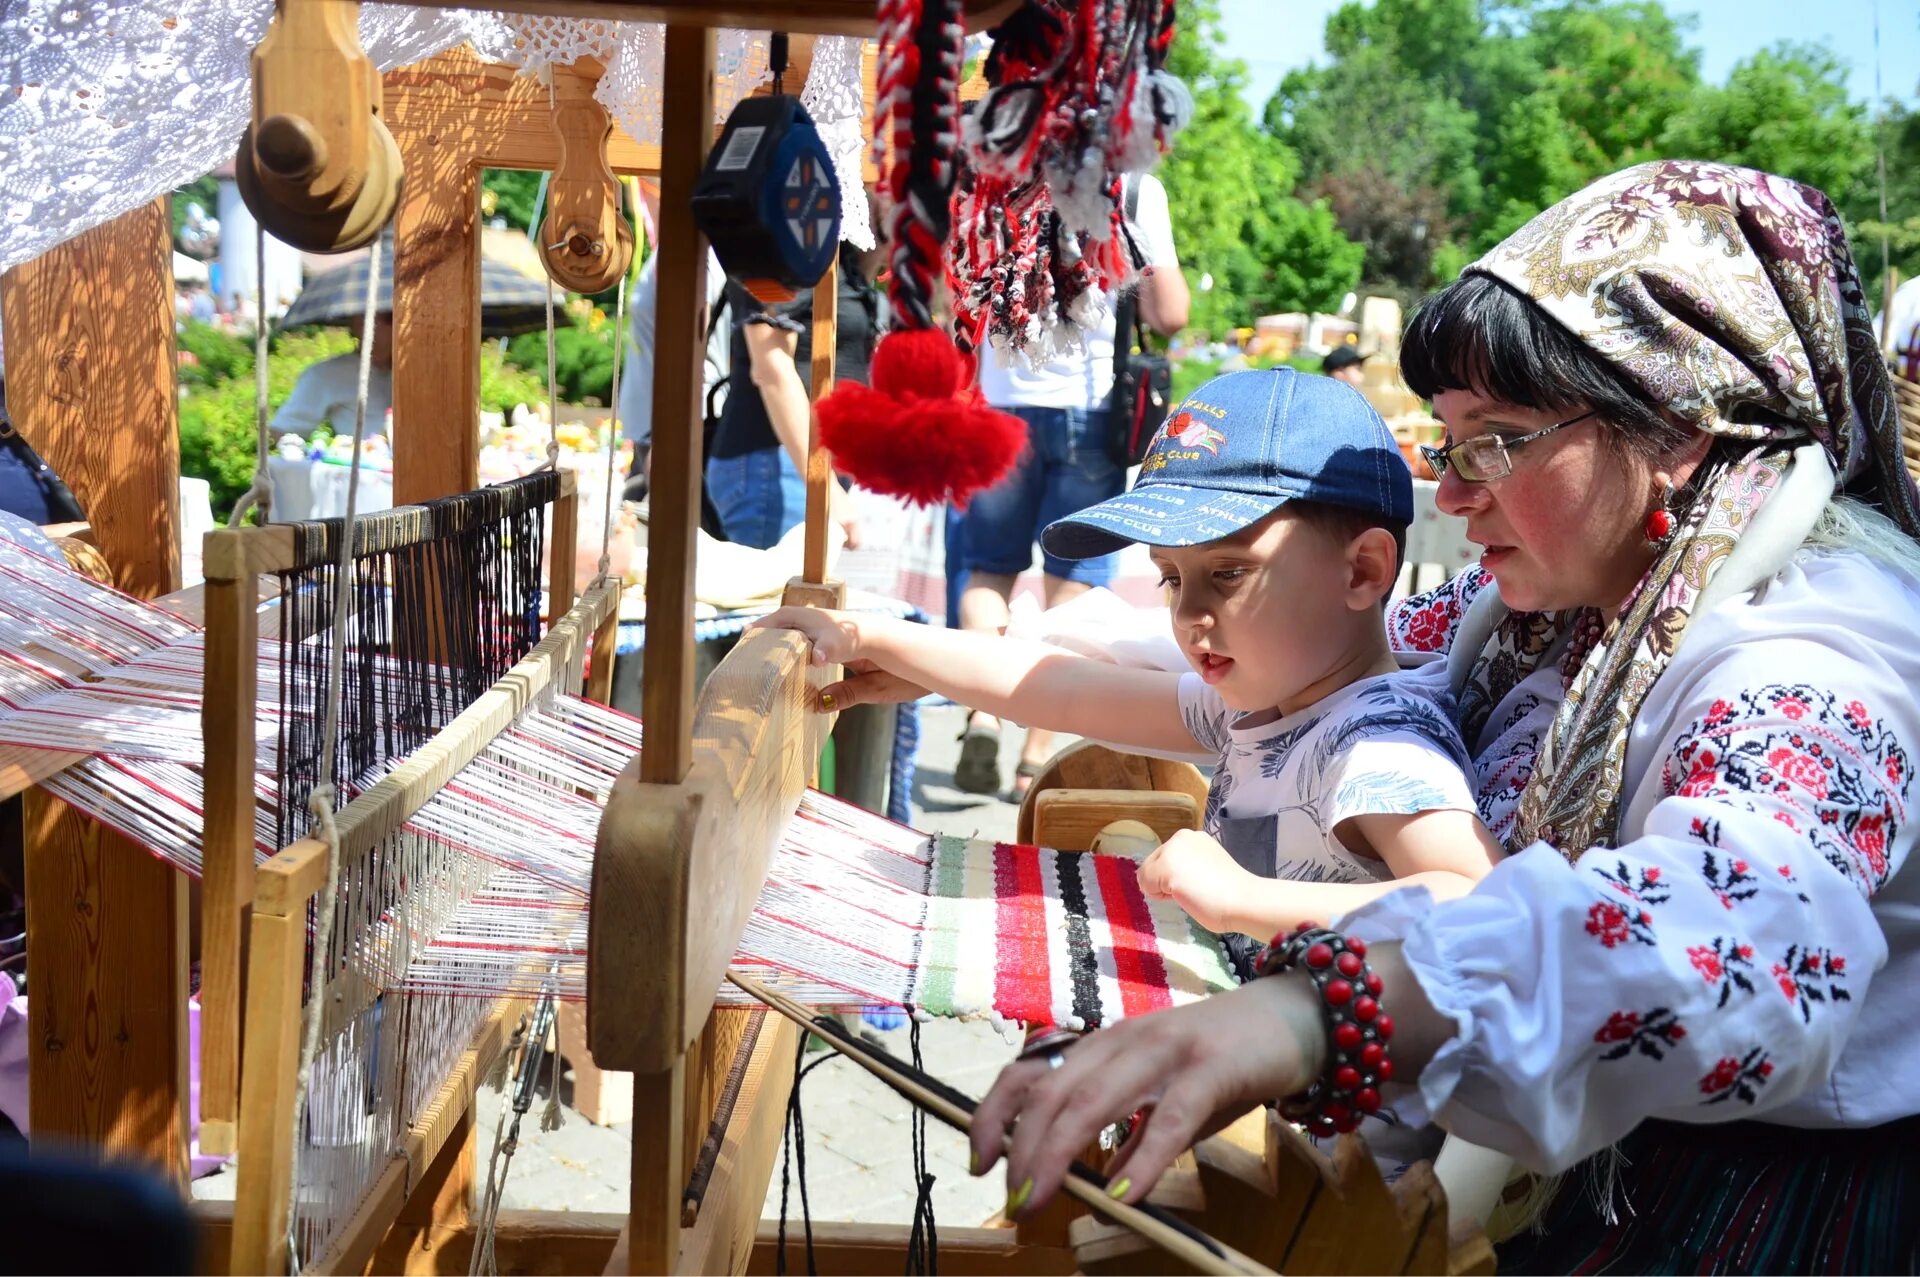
<point>111,103</point>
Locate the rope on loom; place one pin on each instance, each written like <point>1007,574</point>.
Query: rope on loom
<point>534,1055</point>
<point>260,491</point>
<point>795,1152</point>
<point>320,800</point>
<point>923,1244</point>
<point>613,422</point>
<point>553,394</point>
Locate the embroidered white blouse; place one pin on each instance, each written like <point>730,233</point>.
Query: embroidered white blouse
<point>1752,949</point>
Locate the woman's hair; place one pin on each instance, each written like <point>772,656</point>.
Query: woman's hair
<point>1849,524</point>
<point>1480,334</point>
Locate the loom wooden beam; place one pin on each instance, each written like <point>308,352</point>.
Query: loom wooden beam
<point>90,384</point>
<point>227,851</point>
<point>819,17</point>
<point>876,1250</point>
<point>677,868</point>
<point>826,326</point>
<point>666,688</point>
<point>562,541</point>
<point>107,939</point>
<point>1090,765</point>
<point>1072,819</point>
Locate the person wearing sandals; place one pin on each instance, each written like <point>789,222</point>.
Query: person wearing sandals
<point>1276,504</point>
<point>1066,466</point>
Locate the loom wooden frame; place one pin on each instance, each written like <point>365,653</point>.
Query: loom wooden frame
<point>282,888</point>
<point>232,562</point>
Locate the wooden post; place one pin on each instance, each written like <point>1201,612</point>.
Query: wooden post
<point>826,314</point>
<point>436,318</point>
<point>90,363</point>
<point>227,723</point>
<point>107,940</point>
<point>666,689</point>
<point>563,546</point>
<point>659,1153</point>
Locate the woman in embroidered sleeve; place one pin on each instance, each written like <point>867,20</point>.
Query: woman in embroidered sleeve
<point>1687,667</point>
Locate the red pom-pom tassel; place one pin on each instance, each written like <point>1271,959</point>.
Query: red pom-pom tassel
<point>921,431</point>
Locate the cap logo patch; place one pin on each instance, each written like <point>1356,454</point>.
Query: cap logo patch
<point>1189,431</point>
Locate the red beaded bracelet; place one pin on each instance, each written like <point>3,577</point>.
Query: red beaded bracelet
<point>1357,1030</point>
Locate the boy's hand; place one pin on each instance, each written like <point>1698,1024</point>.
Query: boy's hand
<point>1196,872</point>
<point>835,635</point>
<point>868,684</point>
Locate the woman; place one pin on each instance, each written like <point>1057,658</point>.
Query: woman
<point>1688,668</point>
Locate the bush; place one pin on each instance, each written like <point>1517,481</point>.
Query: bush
<point>504,385</point>
<point>211,355</point>
<point>217,421</point>
<point>583,360</point>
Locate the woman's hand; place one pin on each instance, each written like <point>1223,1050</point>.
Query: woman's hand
<point>1189,1072</point>
<point>835,636</point>
<point>1194,871</point>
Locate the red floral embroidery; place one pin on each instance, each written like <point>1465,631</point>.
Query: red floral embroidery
<point>1609,923</point>
<point>1707,963</point>
<point>1819,773</point>
<point>1726,964</point>
<point>1807,975</point>
<point>1426,622</point>
<point>1737,1079</point>
<point>1803,770</point>
<point>1651,1034</point>
<point>1722,1076</point>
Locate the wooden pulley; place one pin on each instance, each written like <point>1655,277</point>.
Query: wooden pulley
<point>316,165</point>
<point>586,242</point>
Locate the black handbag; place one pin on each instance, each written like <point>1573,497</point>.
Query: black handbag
<point>1142,378</point>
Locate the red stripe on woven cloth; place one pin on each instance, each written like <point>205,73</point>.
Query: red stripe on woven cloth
<point>1137,960</point>
<point>1022,978</point>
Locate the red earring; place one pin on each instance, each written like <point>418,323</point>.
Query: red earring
<point>1660,523</point>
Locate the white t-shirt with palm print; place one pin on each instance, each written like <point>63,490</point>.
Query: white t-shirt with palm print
<point>1385,745</point>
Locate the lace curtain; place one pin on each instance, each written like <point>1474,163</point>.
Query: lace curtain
<point>108,104</point>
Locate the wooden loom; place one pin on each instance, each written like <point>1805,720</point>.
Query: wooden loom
<point>684,844</point>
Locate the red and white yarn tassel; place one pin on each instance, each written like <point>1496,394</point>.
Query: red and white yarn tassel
<point>920,430</point>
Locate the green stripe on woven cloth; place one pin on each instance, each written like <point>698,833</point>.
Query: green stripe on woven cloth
<point>1209,957</point>
<point>940,946</point>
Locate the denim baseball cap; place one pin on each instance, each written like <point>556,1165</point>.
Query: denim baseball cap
<point>1236,450</point>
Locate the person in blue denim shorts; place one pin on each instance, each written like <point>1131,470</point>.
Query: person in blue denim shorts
<point>1066,467</point>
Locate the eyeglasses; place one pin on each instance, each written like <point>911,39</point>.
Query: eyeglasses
<point>1485,458</point>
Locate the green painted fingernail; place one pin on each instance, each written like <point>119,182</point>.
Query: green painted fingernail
<point>1018,1197</point>
<point>973,1162</point>
<point>1118,1189</point>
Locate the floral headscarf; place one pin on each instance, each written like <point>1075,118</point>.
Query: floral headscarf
<point>1731,298</point>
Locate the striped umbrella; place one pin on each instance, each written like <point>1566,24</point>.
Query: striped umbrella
<point>510,300</point>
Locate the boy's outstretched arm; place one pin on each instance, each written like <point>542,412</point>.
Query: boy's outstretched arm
<point>1035,684</point>
<point>1445,851</point>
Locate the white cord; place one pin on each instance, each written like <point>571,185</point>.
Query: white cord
<point>613,423</point>
<point>321,800</point>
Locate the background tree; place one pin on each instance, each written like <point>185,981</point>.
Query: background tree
<point>1230,188</point>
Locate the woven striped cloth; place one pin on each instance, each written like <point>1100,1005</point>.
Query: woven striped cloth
<point>1042,937</point>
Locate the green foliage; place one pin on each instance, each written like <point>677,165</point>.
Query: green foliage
<point>1440,126</point>
<point>210,355</point>
<point>583,360</point>
<point>505,385</point>
<point>1229,187</point>
<point>1785,110</point>
<point>1899,134</point>
<point>217,421</point>
<point>511,195</point>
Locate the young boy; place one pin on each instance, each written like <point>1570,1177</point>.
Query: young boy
<point>1276,506</point>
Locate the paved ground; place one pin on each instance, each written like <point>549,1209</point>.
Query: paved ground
<point>859,1156</point>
